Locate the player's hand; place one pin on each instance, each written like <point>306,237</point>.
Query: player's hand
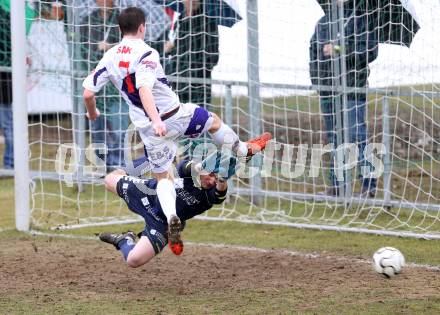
<point>93,115</point>
<point>160,129</point>
<point>327,50</point>
<point>221,184</point>
<point>168,46</point>
<point>104,46</point>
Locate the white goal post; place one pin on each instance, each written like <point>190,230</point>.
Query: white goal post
<point>21,149</point>
<point>268,75</point>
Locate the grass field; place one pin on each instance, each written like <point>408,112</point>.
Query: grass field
<point>262,270</point>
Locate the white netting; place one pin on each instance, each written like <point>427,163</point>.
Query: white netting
<point>402,109</point>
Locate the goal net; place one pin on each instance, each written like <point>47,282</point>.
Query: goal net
<point>350,92</point>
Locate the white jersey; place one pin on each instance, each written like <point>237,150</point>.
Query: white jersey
<point>130,65</point>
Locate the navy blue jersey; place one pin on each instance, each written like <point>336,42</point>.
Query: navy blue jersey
<point>190,200</point>
<point>141,198</point>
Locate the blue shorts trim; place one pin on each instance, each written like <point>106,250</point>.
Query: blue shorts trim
<point>198,122</point>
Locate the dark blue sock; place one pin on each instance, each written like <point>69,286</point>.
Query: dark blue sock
<point>125,246</point>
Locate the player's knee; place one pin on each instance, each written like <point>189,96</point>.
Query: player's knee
<point>107,181</point>
<point>112,179</point>
<point>216,123</point>
<point>135,261</point>
<point>110,182</point>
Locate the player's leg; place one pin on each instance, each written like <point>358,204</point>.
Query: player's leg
<point>124,242</point>
<point>142,253</point>
<point>137,196</point>
<point>194,120</point>
<point>223,134</point>
<point>166,192</point>
<point>135,254</point>
<point>111,180</point>
<point>160,153</point>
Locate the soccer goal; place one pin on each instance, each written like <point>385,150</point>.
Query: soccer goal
<point>351,94</point>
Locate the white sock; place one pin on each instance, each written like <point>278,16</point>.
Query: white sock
<point>167,197</point>
<point>225,135</point>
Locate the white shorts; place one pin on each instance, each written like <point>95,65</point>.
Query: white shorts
<point>189,122</point>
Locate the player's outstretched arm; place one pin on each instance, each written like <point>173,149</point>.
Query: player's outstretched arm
<point>222,184</point>
<point>111,180</point>
<point>147,100</point>
<point>90,101</point>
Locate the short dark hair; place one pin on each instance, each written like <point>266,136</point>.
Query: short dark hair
<point>130,19</point>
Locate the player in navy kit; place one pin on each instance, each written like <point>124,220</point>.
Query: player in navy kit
<point>196,192</point>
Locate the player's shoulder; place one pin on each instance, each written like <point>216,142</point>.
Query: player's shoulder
<point>146,52</point>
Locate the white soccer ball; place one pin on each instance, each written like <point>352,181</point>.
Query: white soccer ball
<point>388,261</point>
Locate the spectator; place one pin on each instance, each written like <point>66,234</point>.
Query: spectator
<point>6,79</point>
<point>49,9</point>
<point>48,78</point>
<point>360,48</point>
<point>99,32</point>
<point>195,53</point>
<point>157,20</point>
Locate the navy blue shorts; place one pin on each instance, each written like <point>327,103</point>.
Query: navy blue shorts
<point>135,193</point>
